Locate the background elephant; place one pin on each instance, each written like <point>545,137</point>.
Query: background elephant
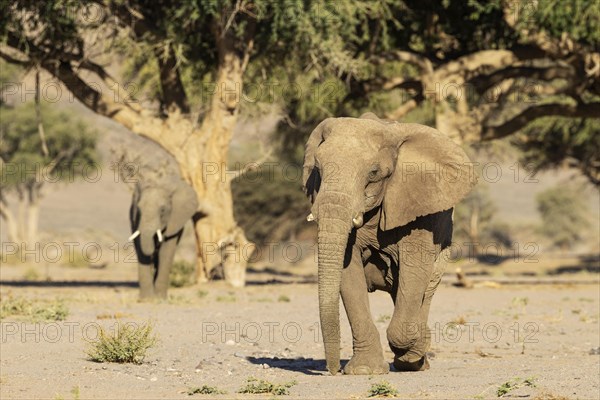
<point>158,213</point>
<point>383,194</point>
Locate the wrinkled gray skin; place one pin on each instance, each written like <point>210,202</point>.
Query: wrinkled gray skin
<point>154,207</point>
<point>383,224</point>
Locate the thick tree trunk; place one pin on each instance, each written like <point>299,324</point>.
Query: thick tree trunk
<point>217,234</point>
<point>201,153</point>
<point>11,224</point>
<point>33,216</point>
<point>22,217</point>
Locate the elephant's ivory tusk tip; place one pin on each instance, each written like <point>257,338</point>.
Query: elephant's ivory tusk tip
<point>133,236</point>
<point>310,217</point>
<point>357,221</point>
<point>159,234</point>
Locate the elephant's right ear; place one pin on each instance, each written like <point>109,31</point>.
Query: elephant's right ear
<point>311,179</point>
<point>432,174</point>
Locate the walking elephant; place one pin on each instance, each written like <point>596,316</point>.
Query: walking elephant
<point>382,195</point>
<point>158,213</point>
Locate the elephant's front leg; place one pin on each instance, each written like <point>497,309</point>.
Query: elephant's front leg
<point>408,333</point>
<point>368,354</point>
<point>146,280</point>
<point>166,254</point>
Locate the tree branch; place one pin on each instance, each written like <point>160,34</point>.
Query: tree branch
<point>582,110</point>
<point>11,60</point>
<point>173,92</point>
<point>483,82</point>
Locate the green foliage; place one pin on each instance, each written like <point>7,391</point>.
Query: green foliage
<point>564,214</point>
<point>382,389</point>
<point>182,274</point>
<point>513,384</point>
<point>75,259</point>
<point>555,141</point>
<point>71,145</point>
<point>579,18</point>
<point>230,298</point>
<point>34,310</point>
<point>268,203</point>
<point>128,343</point>
<point>283,299</point>
<point>205,389</point>
<point>259,386</point>
<point>31,274</point>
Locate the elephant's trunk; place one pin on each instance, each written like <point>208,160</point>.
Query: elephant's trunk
<point>147,241</point>
<point>335,222</point>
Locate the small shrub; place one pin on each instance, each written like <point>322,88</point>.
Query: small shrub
<point>205,389</point>
<point>31,275</point>
<point>382,389</point>
<point>178,299</point>
<point>226,299</point>
<point>14,306</point>
<point>283,299</point>
<point>202,293</point>
<point>116,315</point>
<point>182,274</point>
<point>513,384</point>
<point>263,300</point>
<point>55,311</point>
<point>128,344</point>
<point>37,311</point>
<point>259,386</point>
<point>75,259</point>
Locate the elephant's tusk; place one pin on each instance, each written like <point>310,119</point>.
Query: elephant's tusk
<point>133,235</point>
<point>159,234</point>
<point>310,217</point>
<point>357,221</point>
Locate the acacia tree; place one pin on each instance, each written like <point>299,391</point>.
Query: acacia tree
<point>390,56</point>
<point>483,70</point>
<point>205,50</point>
<point>564,215</point>
<point>25,169</point>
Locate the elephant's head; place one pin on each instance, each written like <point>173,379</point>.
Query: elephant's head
<point>158,212</point>
<point>356,165</point>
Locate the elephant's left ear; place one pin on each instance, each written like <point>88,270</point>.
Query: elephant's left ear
<point>432,174</point>
<point>183,206</point>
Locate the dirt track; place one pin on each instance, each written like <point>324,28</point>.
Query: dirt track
<point>226,336</point>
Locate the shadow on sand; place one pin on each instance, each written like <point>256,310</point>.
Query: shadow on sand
<point>57,284</point>
<point>307,366</point>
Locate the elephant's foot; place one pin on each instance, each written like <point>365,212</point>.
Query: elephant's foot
<point>419,365</point>
<point>366,363</point>
<point>147,299</point>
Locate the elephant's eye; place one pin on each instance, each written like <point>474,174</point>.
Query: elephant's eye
<point>374,173</point>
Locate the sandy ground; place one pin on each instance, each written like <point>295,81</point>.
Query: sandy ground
<point>219,337</point>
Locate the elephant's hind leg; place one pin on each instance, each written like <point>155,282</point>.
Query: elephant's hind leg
<point>368,354</point>
<point>407,333</point>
